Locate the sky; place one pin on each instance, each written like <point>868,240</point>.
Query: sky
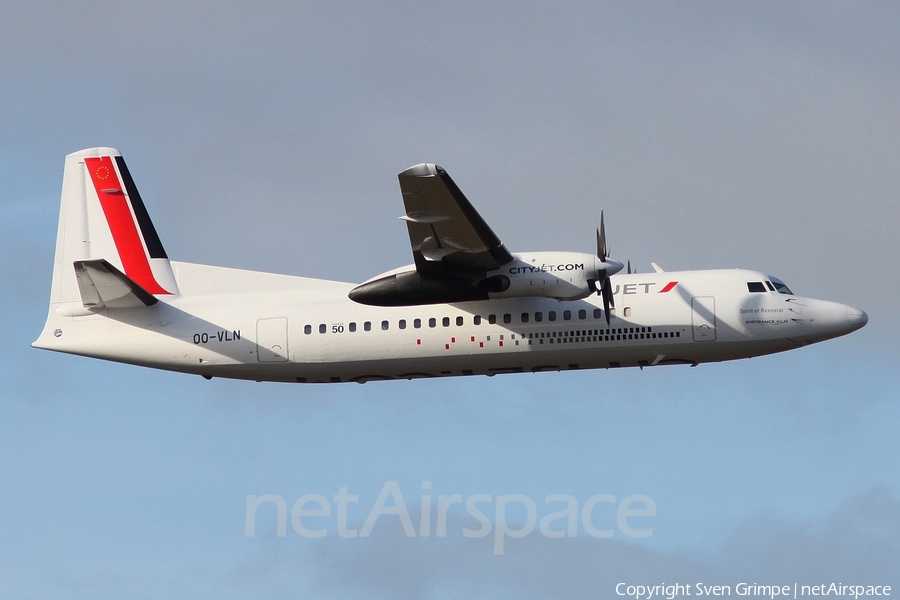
<point>268,136</point>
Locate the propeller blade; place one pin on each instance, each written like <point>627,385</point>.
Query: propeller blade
<point>601,285</point>
<point>602,250</point>
<point>629,266</point>
<point>608,300</point>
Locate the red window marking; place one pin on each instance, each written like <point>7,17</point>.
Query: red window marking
<point>473,338</point>
<point>446,346</point>
<point>501,343</point>
<point>668,287</point>
<point>121,223</point>
<point>418,342</point>
<point>481,344</point>
<point>453,340</point>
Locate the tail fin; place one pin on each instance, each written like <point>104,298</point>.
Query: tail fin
<point>107,251</point>
<point>102,217</point>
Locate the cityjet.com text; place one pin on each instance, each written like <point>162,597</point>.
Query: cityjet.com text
<point>315,516</point>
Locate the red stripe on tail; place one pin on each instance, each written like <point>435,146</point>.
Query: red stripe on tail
<point>121,223</point>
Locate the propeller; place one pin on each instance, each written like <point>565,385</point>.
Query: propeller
<point>605,269</point>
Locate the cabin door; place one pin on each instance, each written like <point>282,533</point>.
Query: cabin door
<point>272,340</point>
<point>704,318</point>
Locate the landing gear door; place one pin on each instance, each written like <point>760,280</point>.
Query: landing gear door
<point>272,340</point>
<point>704,318</point>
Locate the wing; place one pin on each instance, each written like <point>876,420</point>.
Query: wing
<point>447,234</point>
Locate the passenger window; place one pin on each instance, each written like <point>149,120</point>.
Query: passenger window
<point>445,321</point>
<point>524,317</point>
<point>385,325</point>
<point>459,321</point>
<point>367,326</point>
<point>567,314</point>
<point>307,329</point>
<point>492,319</point>
<point>322,328</point>
<point>598,313</point>
<point>551,316</point>
<point>476,319</point>
<point>507,318</point>
<point>352,327</point>
<point>417,323</point>
<point>756,286</point>
<point>582,314</point>
<point>432,322</point>
<point>538,317</point>
<point>402,324</point>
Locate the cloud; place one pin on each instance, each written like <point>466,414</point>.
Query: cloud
<point>855,544</point>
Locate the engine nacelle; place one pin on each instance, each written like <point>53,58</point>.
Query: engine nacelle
<point>559,275</point>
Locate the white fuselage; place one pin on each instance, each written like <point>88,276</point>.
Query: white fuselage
<point>467,306</point>
<point>282,328</point>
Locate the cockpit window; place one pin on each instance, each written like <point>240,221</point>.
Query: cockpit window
<point>780,287</point>
<point>771,287</point>
<point>756,286</point>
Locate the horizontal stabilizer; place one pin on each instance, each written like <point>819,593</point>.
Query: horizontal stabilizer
<point>104,286</point>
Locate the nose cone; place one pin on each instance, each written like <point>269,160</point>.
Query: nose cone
<point>826,320</point>
<point>858,318</point>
